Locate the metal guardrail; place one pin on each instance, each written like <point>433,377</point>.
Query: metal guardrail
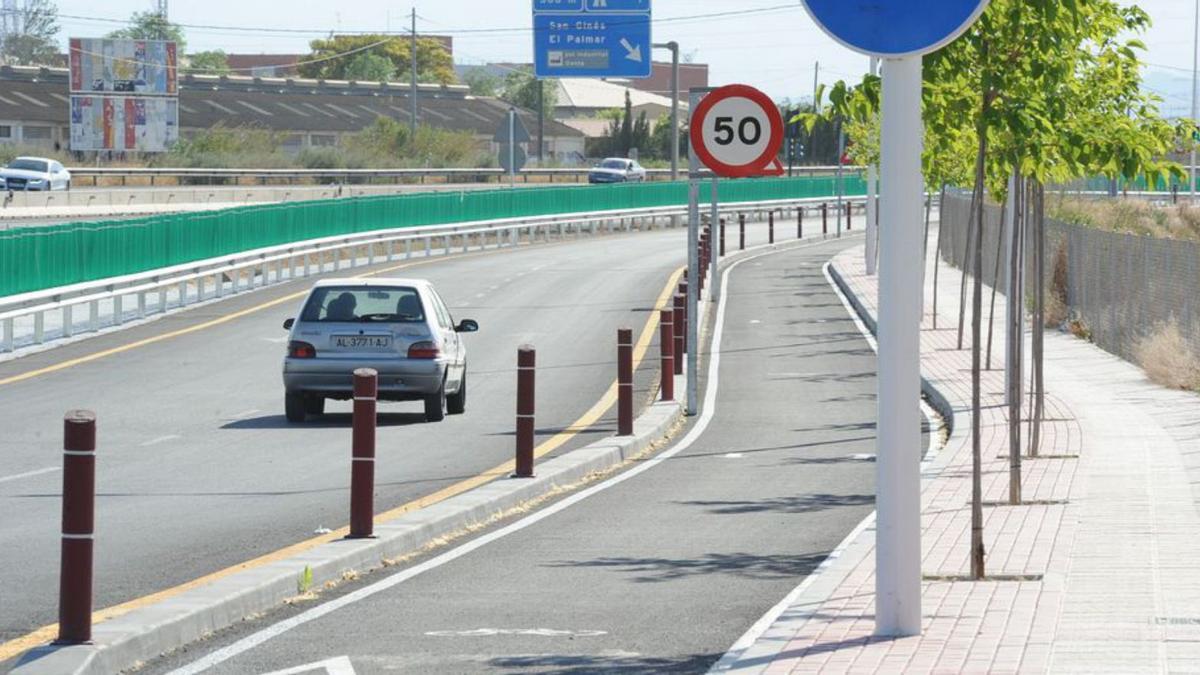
<point>84,176</point>
<point>206,280</point>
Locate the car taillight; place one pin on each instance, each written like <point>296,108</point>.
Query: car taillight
<point>423,350</point>
<point>301,350</point>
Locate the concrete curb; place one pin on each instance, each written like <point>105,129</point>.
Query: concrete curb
<point>936,399</point>
<point>129,640</point>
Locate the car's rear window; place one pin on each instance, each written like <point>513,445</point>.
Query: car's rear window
<point>359,304</point>
<point>28,165</point>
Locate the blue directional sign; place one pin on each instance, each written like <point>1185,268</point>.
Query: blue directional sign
<point>591,38</point>
<point>895,27</point>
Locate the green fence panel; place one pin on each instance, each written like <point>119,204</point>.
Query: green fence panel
<point>37,258</point>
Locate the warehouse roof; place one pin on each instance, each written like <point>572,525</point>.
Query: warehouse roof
<point>41,95</point>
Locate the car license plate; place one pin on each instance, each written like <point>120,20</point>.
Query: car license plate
<point>362,341</point>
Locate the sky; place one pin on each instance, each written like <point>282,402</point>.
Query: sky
<point>770,44</point>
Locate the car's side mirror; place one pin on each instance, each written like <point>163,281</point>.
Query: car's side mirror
<point>467,326</point>
<point>287,324</point>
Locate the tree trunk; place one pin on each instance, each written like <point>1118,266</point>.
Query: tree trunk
<point>1039,321</point>
<point>1014,344</point>
<point>936,265</point>
<point>962,295</point>
<point>995,285</point>
<point>977,550</point>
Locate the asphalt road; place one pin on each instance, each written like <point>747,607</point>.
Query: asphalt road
<point>198,469</point>
<point>661,572</point>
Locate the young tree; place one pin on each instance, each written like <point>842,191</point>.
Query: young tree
<point>368,67</point>
<point>481,82</point>
<point>33,44</point>
<point>152,26</point>
<point>331,58</point>
<point>214,62</point>
<point>521,90</point>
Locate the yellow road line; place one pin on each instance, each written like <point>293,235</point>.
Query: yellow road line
<point>45,634</point>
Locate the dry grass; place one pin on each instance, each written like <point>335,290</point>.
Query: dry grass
<point>1130,216</point>
<point>1168,358</point>
<point>1058,309</point>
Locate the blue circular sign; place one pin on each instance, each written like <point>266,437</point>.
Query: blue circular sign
<point>895,27</point>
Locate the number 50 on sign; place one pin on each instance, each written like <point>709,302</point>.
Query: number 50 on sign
<point>737,132</point>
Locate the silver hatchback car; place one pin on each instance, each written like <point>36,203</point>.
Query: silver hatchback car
<point>399,327</point>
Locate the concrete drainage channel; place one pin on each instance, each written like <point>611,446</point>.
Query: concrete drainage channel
<point>125,641</point>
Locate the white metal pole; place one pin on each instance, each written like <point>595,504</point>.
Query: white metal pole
<point>1195,102</point>
<point>898,477</point>
<point>840,153</point>
<point>872,203</point>
<point>512,147</point>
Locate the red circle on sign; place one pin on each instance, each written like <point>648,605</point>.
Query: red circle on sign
<point>758,166</point>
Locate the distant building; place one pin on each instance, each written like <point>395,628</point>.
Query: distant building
<point>691,76</point>
<point>34,110</point>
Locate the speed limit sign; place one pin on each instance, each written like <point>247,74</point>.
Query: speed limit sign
<point>737,132</point>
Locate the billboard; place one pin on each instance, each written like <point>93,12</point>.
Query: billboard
<point>101,66</point>
<point>124,123</point>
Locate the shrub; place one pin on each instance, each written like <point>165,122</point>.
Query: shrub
<point>1057,301</point>
<point>1167,357</point>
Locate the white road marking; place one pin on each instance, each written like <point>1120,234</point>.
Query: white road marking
<point>707,412</point>
<point>30,474</point>
<point>275,340</point>
<point>480,295</point>
<point>735,455</point>
<point>754,321</point>
<point>160,439</point>
<point>862,458</point>
<point>244,414</point>
<point>534,632</point>
<point>336,666</point>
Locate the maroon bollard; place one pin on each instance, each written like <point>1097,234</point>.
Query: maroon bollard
<point>800,222</point>
<point>680,326</point>
<point>526,369</point>
<point>825,219</point>
<point>770,227</point>
<point>624,382</point>
<point>362,469</point>
<point>78,526</point>
<point>741,232</point>
<point>722,237</point>
<point>666,347</point>
<point>849,214</point>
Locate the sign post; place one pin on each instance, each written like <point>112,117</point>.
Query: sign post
<point>895,31</point>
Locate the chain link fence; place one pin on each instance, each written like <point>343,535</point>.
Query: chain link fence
<point>1119,286</point>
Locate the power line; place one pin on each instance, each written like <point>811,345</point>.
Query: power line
<point>450,31</point>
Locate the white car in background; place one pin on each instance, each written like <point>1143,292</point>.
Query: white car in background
<point>34,173</point>
<point>617,170</point>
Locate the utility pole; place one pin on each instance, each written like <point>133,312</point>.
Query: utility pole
<point>674,47</point>
<point>812,141</point>
<point>162,15</point>
<point>413,87</point>
<point>541,119</point>
<point>1195,106</point>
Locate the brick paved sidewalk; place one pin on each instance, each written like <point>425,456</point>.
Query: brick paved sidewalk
<point>1102,565</point>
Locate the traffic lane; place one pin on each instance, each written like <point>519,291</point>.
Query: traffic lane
<point>198,470</point>
<point>663,572</point>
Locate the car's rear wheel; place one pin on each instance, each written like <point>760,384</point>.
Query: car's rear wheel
<point>435,405</point>
<point>456,403</point>
<point>314,404</point>
<point>294,407</point>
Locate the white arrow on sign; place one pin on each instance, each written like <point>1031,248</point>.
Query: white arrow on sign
<point>634,53</point>
<point>336,666</point>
